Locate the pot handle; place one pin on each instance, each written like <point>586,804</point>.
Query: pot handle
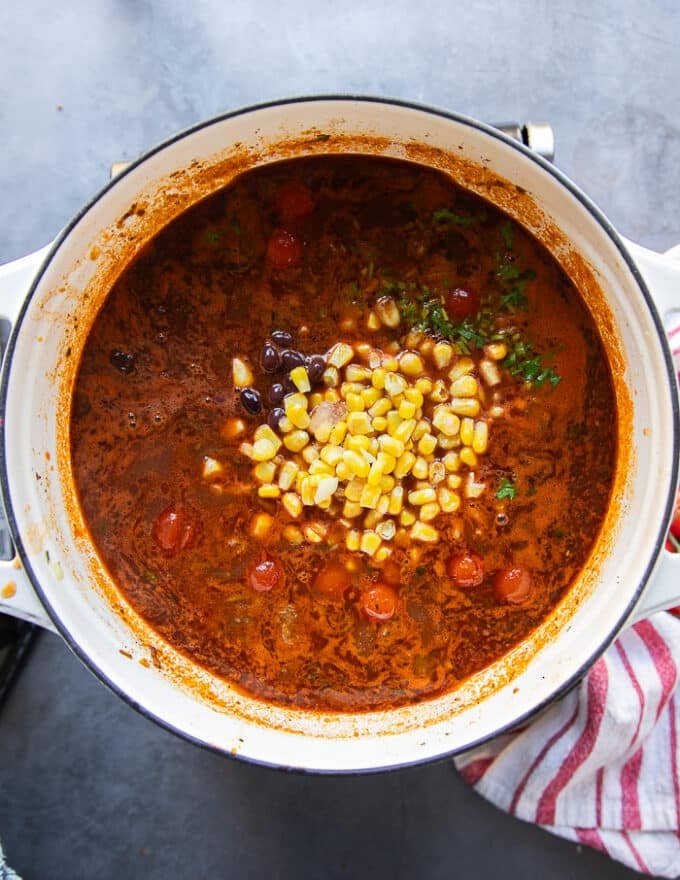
<point>17,597</point>
<point>661,272</point>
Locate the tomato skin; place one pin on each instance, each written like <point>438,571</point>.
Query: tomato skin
<point>284,249</point>
<point>266,575</point>
<point>467,570</point>
<point>462,303</point>
<point>173,530</point>
<point>294,202</point>
<point>513,585</point>
<point>675,525</point>
<point>332,580</point>
<point>378,602</point>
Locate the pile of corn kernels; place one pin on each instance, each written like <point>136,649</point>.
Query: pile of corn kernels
<point>384,449</point>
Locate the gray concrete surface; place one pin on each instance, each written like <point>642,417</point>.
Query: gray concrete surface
<point>90,789</point>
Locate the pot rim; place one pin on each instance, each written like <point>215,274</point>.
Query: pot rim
<point>605,226</point>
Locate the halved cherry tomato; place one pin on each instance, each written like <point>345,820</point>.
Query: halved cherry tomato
<point>462,303</point>
<point>294,202</point>
<point>266,575</point>
<point>466,569</point>
<point>332,580</point>
<point>378,602</point>
<point>284,249</point>
<point>513,585</point>
<point>675,524</point>
<point>173,530</point>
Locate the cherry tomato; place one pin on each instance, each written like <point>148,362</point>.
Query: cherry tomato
<point>173,530</point>
<point>513,585</point>
<point>462,303</point>
<point>284,249</point>
<point>675,525</point>
<point>294,202</point>
<point>669,546</point>
<point>332,580</point>
<point>378,602</point>
<point>266,575</point>
<point>466,569</point>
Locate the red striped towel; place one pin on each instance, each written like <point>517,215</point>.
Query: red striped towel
<point>602,766</point>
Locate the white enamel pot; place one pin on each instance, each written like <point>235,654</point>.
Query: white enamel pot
<point>57,580</point>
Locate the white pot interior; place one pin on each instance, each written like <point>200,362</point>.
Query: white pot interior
<point>76,589</point>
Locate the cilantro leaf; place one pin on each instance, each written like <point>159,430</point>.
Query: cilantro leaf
<point>506,489</point>
<point>443,214</point>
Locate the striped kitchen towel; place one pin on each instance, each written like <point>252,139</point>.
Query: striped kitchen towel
<point>601,767</point>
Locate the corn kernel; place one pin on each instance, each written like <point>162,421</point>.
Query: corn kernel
<point>339,355</point>
<point>296,440</point>
<point>411,364</point>
<point>439,392</point>
<point>370,396</point>
<point>313,533</point>
<point>357,373</point>
<point>404,430</point>
<point>373,321</point>
<point>480,438</point>
<point>352,509</point>
<point>351,388</point>
<point>436,473</point>
<point>424,385</point>
<point>325,489</point>
<point>317,466</point>
<point>331,395</point>
<point>331,377</point>
<point>396,500</point>
<point>386,529</point>
<point>241,373</point>
<point>372,518</point>
<point>268,490</point>
<point>424,532</point>
<point>370,496</point>
<point>212,468</point>
<point>292,504</point>
<point>461,367</point>
<point>407,517</point>
<point>233,428</point>
<point>379,423</point>
<point>414,338</point>
<point>354,488</point>
<point>308,491</point>
<point>359,423</point>
<point>451,461</point>
<point>285,425</point>
<point>454,481</point>
<point>382,553</point>
<point>378,378</point>
<point>395,384</point>
<point>387,483</point>
<point>448,501</point>
<point>447,443</point>
<point>370,542</point>
<point>311,454</point>
<point>375,474</point>
<point>265,449</point>
<point>464,386</point>
<point>467,429</point>
<point>445,420</point>
<point>353,539</point>
<point>473,489</point>
<point>407,409</point>
<point>355,402</point>
<point>293,535</point>
<point>429,511</point>
<point>426,347</point>
<point>404,464</point>
<point>287,475</point>
<point>338,433</point>
<point>381,407</point>
<point>489,372</point>
<point>261,524</point>
<point>442,354</point>
<point>427,444</point>
<point>356,463</point>
<point>496,350</point>
<point>357,442</point>
<point>388,312</point>
<point>391,446</point>
<point>264,471</point>
<point>419,469</point>
<point>383,503</point>
<point>298,415</point>
<point>315,399</point>
<point>422,496</point>
<point>300,379</point>
<point>468,457</point>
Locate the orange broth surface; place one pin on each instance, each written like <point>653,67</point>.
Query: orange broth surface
<point>290,600</point>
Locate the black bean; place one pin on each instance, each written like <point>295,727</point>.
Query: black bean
<point>289,386</point>
<point>275,417</point>
<point>282,337</point>
<point>250,400</point>
<point>291,359</point>
<point>276,393</point>
<point>123,361</point>
<point>269,358</point>
<point>316,365</point>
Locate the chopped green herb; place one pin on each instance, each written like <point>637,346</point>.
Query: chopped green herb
<point>514,283</point>
<point>213,236</point>
<point>421,571</point>
<point>444,215</point>
<point>508,235</point>
<point>506,490</point>
<point>524,361</point>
